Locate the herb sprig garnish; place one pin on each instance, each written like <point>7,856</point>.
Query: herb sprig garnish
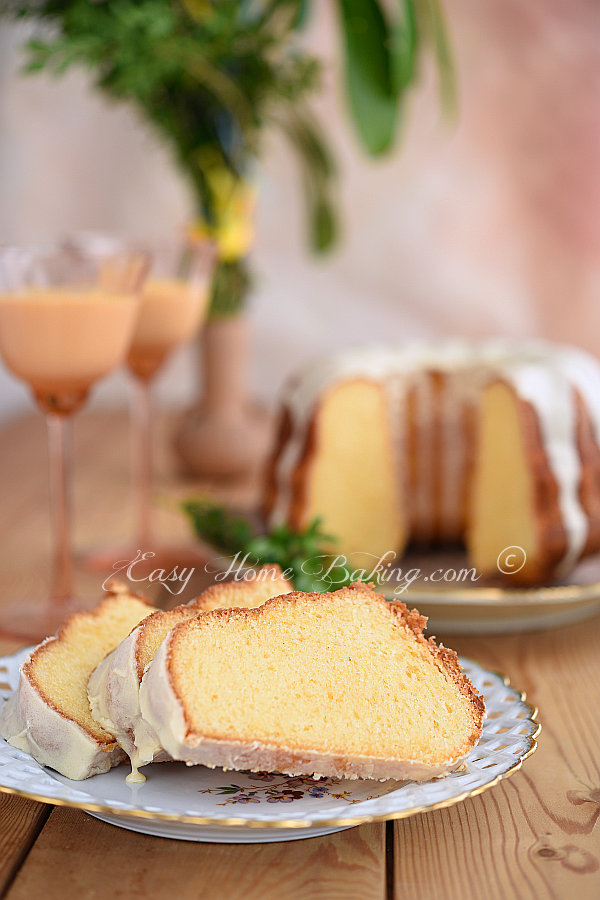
<point>306,554</point>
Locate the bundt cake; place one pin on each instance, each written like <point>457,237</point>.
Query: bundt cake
<point>113,687</point>
<point>341,684</point>
<point>49,716</point>
<point>496,445</point>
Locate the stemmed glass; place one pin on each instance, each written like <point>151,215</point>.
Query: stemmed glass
<point>66,319</point>
<point>174,303</point>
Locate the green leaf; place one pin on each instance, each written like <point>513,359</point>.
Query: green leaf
<point>436,27</point>
<point>293,12</point>
<point>303,15</point>
<point>323,224</point>
<point>403,47</point>
<point>217,526</point>
<point>230,286</point>
<point>318,172</point>
<point>373,99</point>
<point>315,152</point>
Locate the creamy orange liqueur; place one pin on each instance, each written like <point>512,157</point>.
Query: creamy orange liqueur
<point>170,314</point>
<point>62,340</point>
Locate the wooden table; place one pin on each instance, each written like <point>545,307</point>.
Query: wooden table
<point>536,835</point>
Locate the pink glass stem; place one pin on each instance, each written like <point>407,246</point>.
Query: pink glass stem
<point>60,500</point>
<point>142,459</point>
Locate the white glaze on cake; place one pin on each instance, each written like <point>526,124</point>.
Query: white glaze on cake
<point>546,376</point>
<point>453,461</point>
<point>113,692</point>
<point>29,723</point>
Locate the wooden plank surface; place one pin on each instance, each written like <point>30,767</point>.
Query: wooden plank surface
<point>20,823</point>
<point>20,820</point>
<point>100,860</point>
<point>103,510</point>
<point>536,835</point>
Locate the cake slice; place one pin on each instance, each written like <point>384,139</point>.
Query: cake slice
<point>341,684</point>
<point>49,716</point>
<point>113,688</point>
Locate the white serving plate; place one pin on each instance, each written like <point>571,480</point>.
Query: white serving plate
<point>199,804</point>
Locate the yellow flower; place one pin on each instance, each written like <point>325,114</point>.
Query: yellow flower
<point>234,202</point>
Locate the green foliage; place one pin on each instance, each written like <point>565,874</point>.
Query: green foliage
<point>211,76</point>
<point>435,27</point>
<point>383,49</point>
<point>217,526</point>
<point>207,76</point>
<point>305,553</point>
<point>230,285</point>
<point>403,47</point>
<point>371,90</point>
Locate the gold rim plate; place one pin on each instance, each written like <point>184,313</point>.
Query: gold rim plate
<point>527,743</point>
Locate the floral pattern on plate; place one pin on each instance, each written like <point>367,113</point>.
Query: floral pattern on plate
<point>273,788</point>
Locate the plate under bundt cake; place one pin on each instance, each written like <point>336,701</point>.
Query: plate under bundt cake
<point>495,445</point>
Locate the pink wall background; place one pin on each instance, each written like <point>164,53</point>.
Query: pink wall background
<point>488,226</point>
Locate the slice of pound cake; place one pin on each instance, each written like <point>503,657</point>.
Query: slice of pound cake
<point>49,716</point>
<point>341,684</point>
<point>113,688</point>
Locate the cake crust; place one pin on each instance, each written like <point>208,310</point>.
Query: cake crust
<point>32,721</point>
<point>162,705</point>
<point>116,589</point>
